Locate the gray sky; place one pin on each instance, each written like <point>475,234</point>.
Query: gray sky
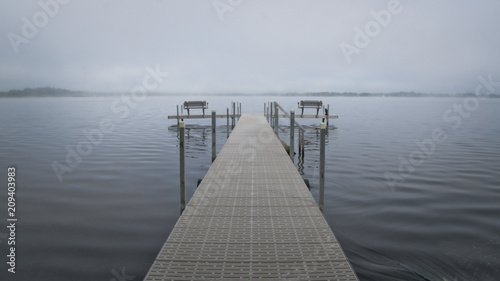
<point>251,46</point>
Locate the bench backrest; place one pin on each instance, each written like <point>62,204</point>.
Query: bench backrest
<point>311,103</point>
<point>195,104</point>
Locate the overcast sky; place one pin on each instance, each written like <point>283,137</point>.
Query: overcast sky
<point>250,46</point>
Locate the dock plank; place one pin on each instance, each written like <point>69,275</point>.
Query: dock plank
<point>252,217</point>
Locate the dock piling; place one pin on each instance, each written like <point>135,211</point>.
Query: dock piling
<point>214,148</point>
<point>268,112</point>
<point>271,115</point>
<point>227,116</point>
<point>302,142</point>
<point>299,145</point>
<point>276,120</point>
<point>178,116</point>
<point>292,135</point>
<point>182,166</point>
<point>233,114</point>
<point>322,167</point>
<point>327,118</point>
<point>265,110</point>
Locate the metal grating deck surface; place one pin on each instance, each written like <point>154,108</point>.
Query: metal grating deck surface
<point>252,217</point>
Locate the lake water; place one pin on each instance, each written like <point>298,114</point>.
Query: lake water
<point>412,187</point>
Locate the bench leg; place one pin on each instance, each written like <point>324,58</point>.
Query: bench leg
<point>188,111</point>
<point>302,115</point>
<point>317,112</point>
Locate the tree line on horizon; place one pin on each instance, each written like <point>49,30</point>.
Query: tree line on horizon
<point>58,92</point>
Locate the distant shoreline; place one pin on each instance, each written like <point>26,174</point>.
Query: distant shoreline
<point>56,92</point>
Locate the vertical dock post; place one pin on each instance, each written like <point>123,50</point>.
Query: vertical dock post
<point>227,117</point>
<point>214,147</point>
<point>327,118</point>
<point>302,142</point>
<point>233,113</point>
<point>267,112</point>
<point>292,135</point>
<point>182,166</point>
<point>271,114</point>
<point>276,120</point>
<point>271,118</point>
<point>322,168</point>
<point>178,117</point>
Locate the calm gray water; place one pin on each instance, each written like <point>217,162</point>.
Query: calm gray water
<point>438,217</point>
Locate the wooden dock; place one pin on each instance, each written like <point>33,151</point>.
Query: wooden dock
<point>252,217</point>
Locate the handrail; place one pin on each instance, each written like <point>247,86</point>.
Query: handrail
<point>288,115</point>
<point>274,123</point>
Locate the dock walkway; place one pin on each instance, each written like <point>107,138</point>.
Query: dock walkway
<point>252,217</point>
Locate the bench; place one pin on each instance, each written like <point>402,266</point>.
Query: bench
<point>310,104</point>
<point>196,105</point>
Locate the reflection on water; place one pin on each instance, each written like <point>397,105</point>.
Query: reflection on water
<point>300,163</point>
<point>199,137</point>
<point>116,209</point>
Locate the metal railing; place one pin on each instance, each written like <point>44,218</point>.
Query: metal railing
<point>271,112</point>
